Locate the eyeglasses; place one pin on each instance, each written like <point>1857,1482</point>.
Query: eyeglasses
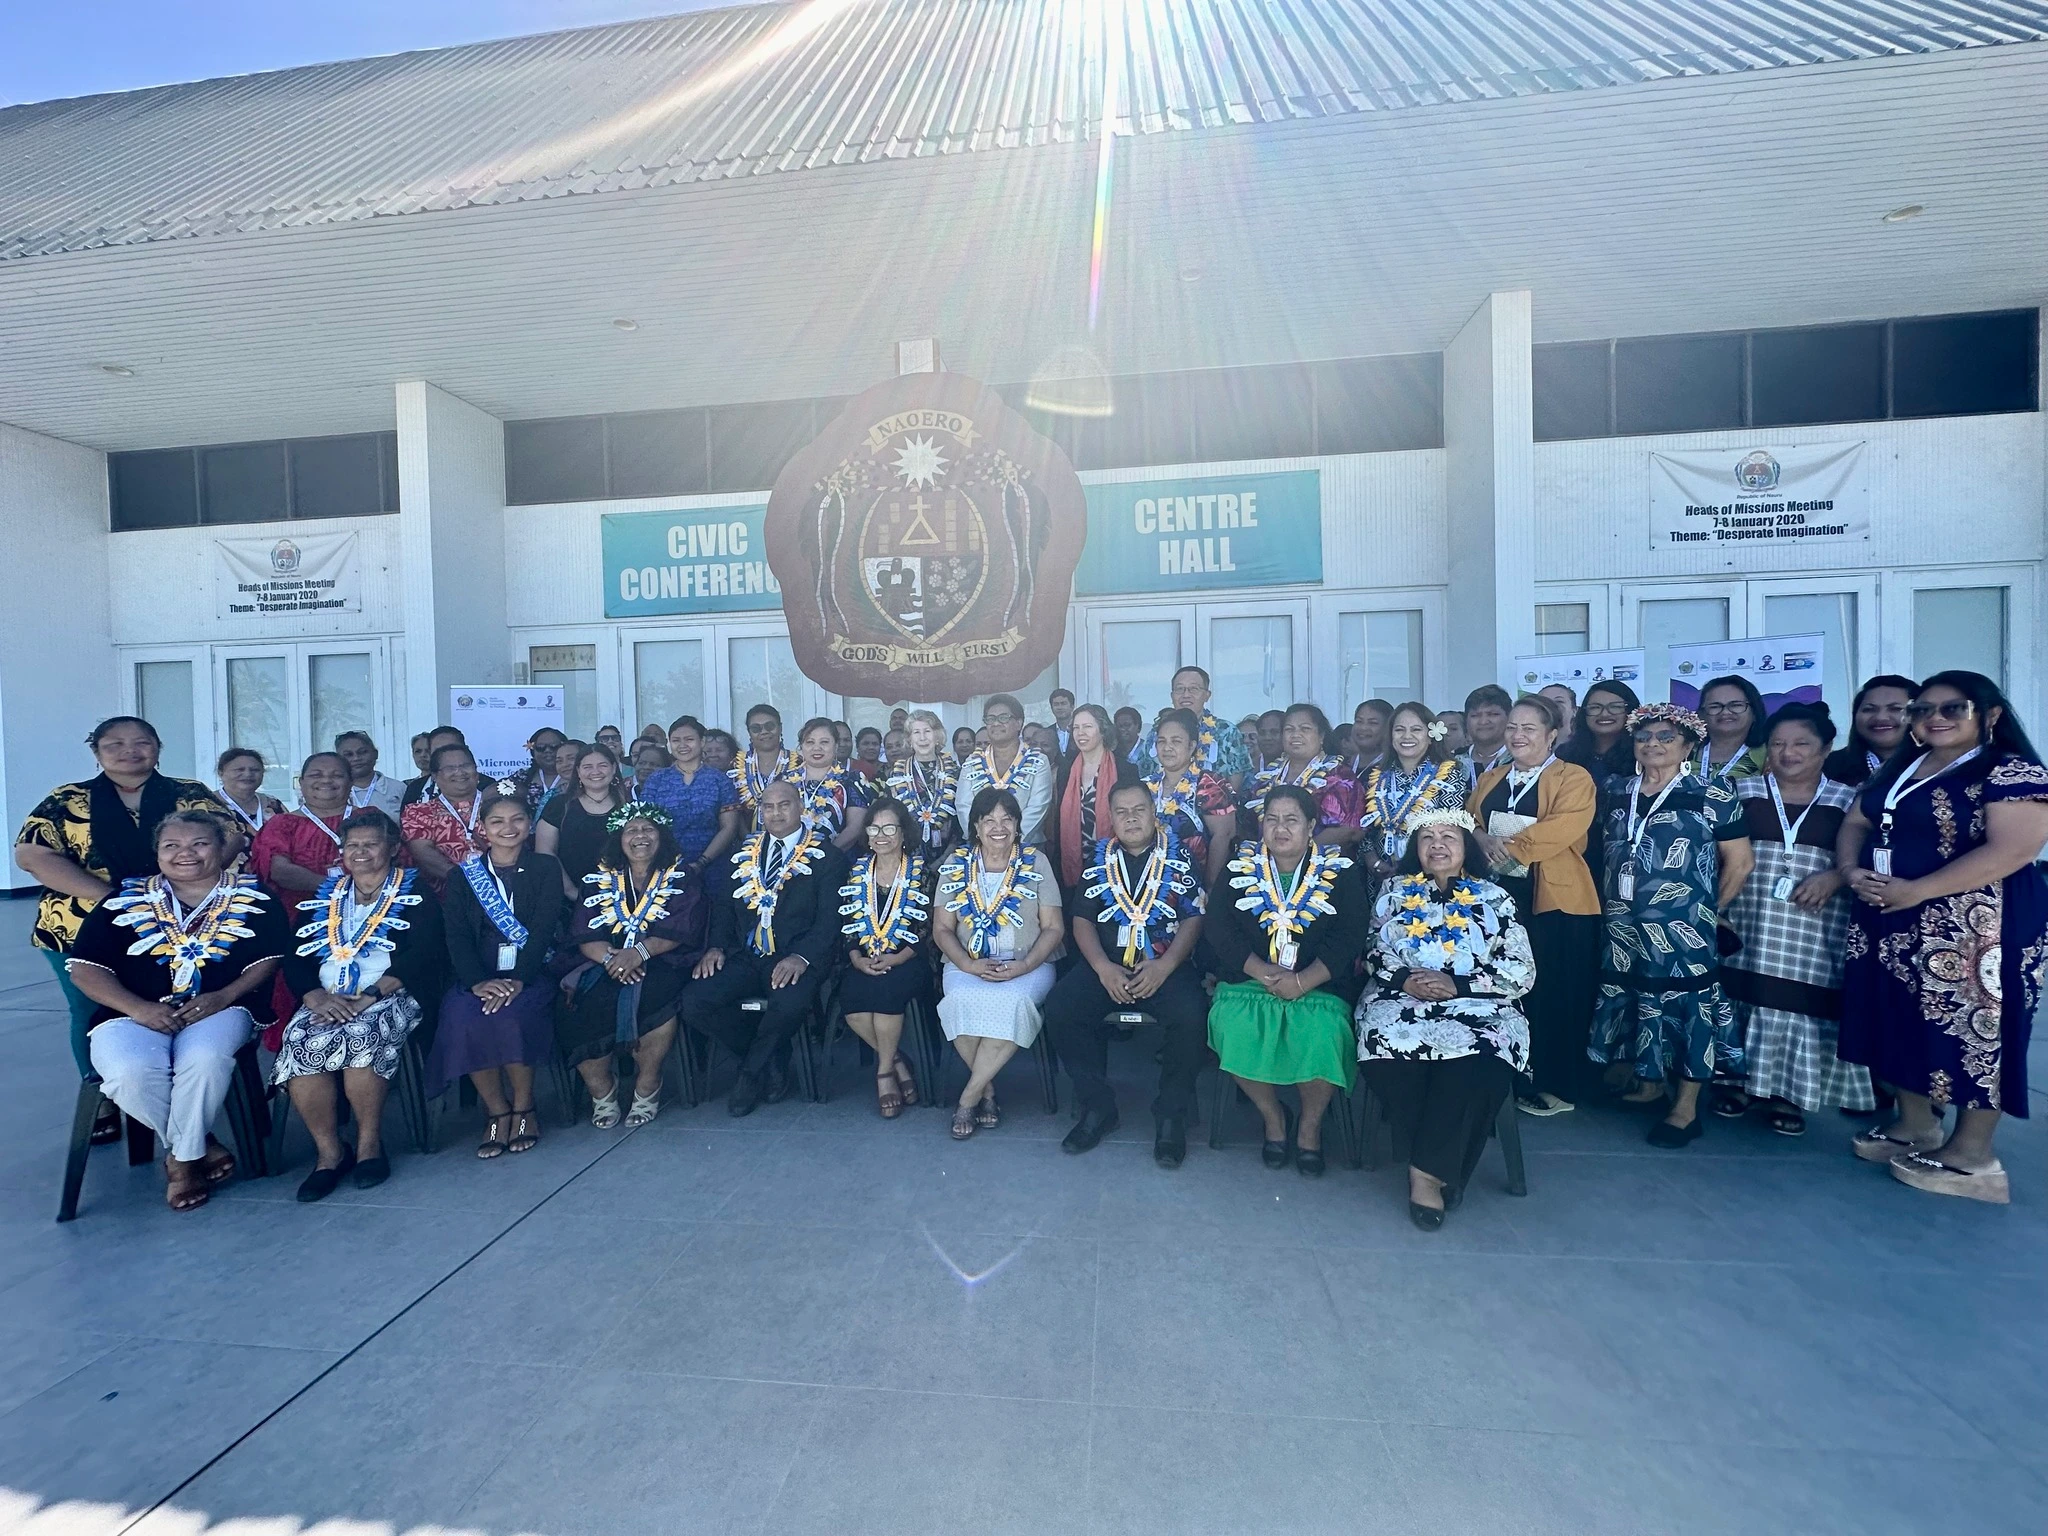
<point>1948,709</point>
<point>1739,707</point>
<point>1606,709</point>
<point>1660,738</point>
<point>1000,717</point>
<point>884,829</point>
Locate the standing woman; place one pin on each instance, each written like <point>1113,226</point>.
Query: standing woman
<point>1532,816</point>
<point>83,840</point>
<point>573,826</point>
<point>764,761</point>
<point>698,797</point>
<point>924,784</point>
<point>835,795</point>
<point>502,910</point>
<point>1734,714</point>
<point>1285,925</point>
<point>1419,773</point>
<point>1948,940</point>
<point>1081,803</point>
<point>1792,916</point>
<point>373,958</point>
<point>886,902</point>
<point>241,770</point>
<point>298,851</point>
<point>1676,852</point>
<point>442,827</point>
<point>1191,803</point>
<point>542,775</point>
<point>998,925</point>
<point>639,931</point>
<point>964,743</point>
<point>1304,733</point>
<point>1877,729</point>
<point>1600,741</point>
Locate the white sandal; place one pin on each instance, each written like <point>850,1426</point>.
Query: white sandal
<point>604,1112</point>
<point>643,1110</point>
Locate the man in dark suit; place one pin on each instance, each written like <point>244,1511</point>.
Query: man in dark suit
<point>795,875</point>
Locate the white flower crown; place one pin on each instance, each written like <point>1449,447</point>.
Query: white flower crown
<point>1441,816</point>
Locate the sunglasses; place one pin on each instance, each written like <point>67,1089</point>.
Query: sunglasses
<point>762,727</point>
<point>1948,709</point>
<point>1660,738</point>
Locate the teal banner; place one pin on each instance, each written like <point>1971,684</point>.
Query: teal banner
<point>703,560</point>
<point>1189,535</point>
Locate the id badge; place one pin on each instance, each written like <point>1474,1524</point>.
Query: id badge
<point>1287,954</point>
<point>508,956</point>
<point>1881,860</point>
<point>1625,883</point>
<point>1781,888</point>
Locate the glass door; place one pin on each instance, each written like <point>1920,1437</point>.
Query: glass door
<point>289,701</point>
<point>1842,610</point>
<point>1133,654</point>
<point>1665,614</point>
<point>171,689</point>
<point>1374,645</point>
<point>1254,654</point>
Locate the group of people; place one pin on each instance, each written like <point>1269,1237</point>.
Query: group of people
<point>1567,899</point>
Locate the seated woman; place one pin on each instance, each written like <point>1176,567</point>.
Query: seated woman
<point>998,924</point>
<point>1290,917</point>
<point>886,900</point>
<point>373,952</point>
<point>639,932</point>
<point>576,821</point>
<point>1441,1034</point>
<point>502,910</point>
<point>172,963</point>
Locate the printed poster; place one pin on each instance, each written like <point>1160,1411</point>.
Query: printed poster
<point>1776,497</point>
<point>1785,668</point>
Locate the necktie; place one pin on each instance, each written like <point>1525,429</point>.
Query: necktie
<point>772,866</point>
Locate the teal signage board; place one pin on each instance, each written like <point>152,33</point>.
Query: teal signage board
<point>703,560</point>
<point>1192,535</point>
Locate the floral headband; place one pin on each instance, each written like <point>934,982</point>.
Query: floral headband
<point>1441,816</point>
<point>1670,714</point>
<point>638,810</point>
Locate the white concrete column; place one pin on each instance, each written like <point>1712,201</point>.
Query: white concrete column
<point>451,483</point>
<point>57,676</point>
<point>1490,491</point>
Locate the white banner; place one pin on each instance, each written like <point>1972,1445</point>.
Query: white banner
<point>301,573</point>
<point>1777,497</point>
<point>1579,670</point>
<point>497,722</point>
<point>1785,668</point>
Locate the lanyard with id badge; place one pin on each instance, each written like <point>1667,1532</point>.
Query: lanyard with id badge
<point>1784,885</point>
<point>1637,829</point>
<point>1904,785</point>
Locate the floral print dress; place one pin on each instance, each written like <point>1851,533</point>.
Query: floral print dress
<point>1472,933</point>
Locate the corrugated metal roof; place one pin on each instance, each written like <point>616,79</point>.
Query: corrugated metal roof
<point>787,87</point>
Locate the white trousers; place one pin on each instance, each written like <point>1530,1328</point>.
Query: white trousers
<point>174,1084</point>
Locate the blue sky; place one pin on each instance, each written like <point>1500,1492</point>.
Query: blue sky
<point>52,48</point>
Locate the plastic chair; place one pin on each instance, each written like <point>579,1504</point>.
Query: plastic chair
<point>1337,1113</point>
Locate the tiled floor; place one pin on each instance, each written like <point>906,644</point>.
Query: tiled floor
<point>812,1320</point>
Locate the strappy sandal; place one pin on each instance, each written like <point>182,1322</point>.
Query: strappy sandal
<point>604,1112</point>
<point>645,1108</point>
<point>963,1121</point>
<point>184,1185</point>
<point>906,1081</point>
<point>1786,1122</point>
<point>106,1125</point>
<point>525,1130</point>
<point>1874,1146</point>
<point>218,1163</point>
<point>888,1095</point>
<point>493,1145</point>
<point>986,1115</point>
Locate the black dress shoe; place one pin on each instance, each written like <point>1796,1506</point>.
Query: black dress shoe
<point>1427,1217</point>
<point>1089,1130</point>
<point>775,1084</point>
<point>372,1171</point>
<point>1665,1134</point>
<point>1273,1154</point>
<point>1453,1198</point>
<point>1170,1142</point>
<point>322,1182</point>
<point>745,1095</point>
<point>1308,1162</point>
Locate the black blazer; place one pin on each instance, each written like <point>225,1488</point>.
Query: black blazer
<point>473,939</point>
<point>419,951</point>
<point>807,920</point>
<point>1337,938</point>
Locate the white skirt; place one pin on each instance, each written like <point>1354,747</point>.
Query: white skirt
<point>993,1010</point>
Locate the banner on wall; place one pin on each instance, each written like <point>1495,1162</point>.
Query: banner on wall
<point>497,722</point>
<point>1786,669</point>
<point>1192,535</point>
<point>1579,670</point>
<point>302,573</point>
<point>701,560</point>
<point>1777,497</point>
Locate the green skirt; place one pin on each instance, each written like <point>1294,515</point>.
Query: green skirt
<point>1261,1039</point>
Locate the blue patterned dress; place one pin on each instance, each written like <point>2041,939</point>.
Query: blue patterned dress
<point>1660,1004</point>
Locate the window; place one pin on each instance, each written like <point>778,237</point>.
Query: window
<point>1832,373</point>
<point>1831,615</point>
<point>1252,413</point>
<point>1563,628</point>
<point>158,489</point>
<point>1379,656</point>
<point>1665,622</point>
<point>561,460</point>
<point>1677,384</point>
<point>1251,664</point>
<point>1962,365</point>
<point>751,443</point>
<point>259,718</point>
<point>1151,422</point>
<point>1380,404</point>
<point>339,696</point>
<point>1572,384</point>
<point>1139,658</point>
<point>343,476</point>
<point>1960,627</point>
<point>668,681</point>
<point>656,453</point>
<point>163,697</point>
<point>764,670</point>
<point>243,484</point>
